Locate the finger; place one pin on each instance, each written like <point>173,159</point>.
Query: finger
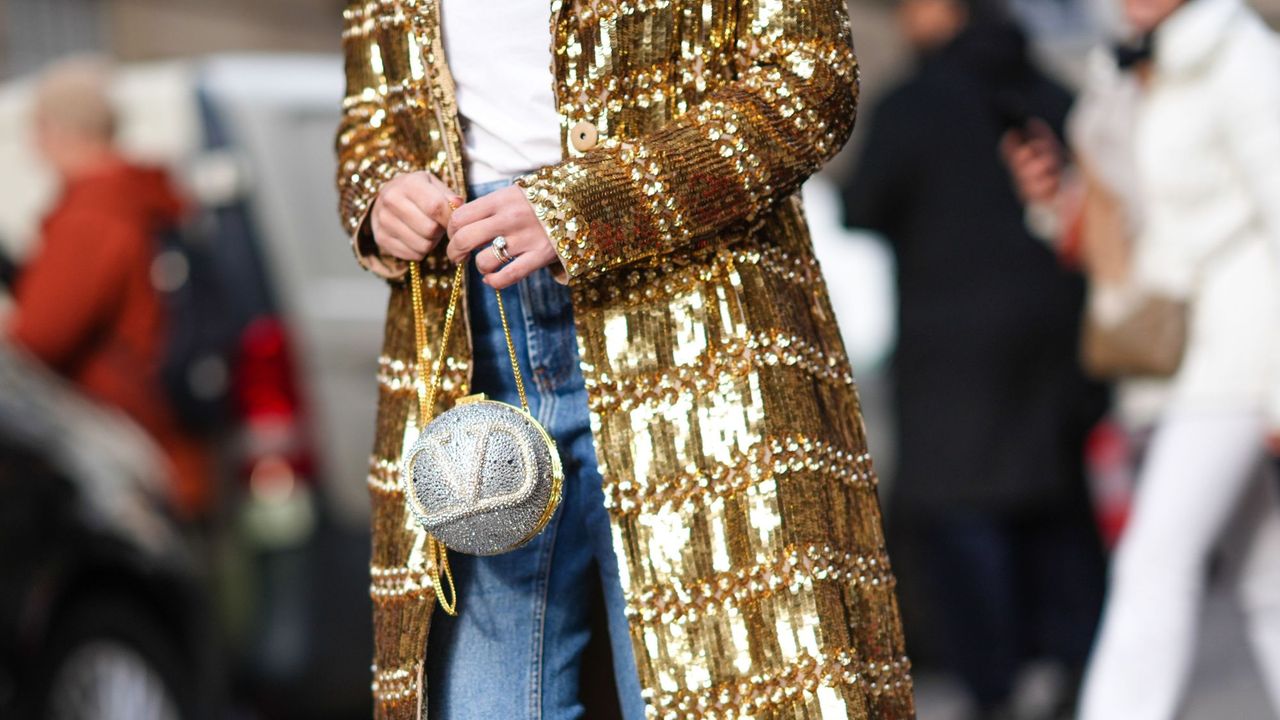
<point>1040,130</point>
<point>1042,178</point>
<point>423,191</point>
<point>1042,171</point>
<point>1020,170</point>
<point>469,237</point>
<point>416,220</point>
<point>487,261</point>
<point>474,211</point>
<point>1038,147</point>
<point>454,199</point>
<point>1037,161</point>
<point>395,248</point>
<point>431,201</point>
<point>1041,191</point>
<point>1026,154</point>
<point>397,230</point>
<point>384,238</point>
<point>523,266</point>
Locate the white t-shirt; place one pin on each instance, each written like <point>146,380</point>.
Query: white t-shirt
<point>499,52</point>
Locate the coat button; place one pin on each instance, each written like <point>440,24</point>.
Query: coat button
<point>583,136</point>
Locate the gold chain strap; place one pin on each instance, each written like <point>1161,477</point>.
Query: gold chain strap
<point>437,553</point>
<point>427,391</point>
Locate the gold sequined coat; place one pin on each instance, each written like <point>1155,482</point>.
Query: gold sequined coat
<point>723,406</point>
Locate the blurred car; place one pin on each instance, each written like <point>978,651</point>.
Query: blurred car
<point>103,613</point>
<point>266,265</point>
<point>305,328</point>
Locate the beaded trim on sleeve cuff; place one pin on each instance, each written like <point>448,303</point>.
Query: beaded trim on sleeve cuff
<point>370,257</point>
<point>558,219</point>
<point>362,243</point>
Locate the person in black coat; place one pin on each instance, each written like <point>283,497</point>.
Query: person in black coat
<point>995,539</point>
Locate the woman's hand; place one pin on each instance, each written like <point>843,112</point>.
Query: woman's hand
<point>411,213</point>
<point>1035,159</point>
<point>505,212</point>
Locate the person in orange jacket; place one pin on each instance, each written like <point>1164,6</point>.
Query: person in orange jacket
<point>85,304</point>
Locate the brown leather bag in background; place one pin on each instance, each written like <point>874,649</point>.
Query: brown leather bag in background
<point>1149,337</point>
<point>1149,341</point>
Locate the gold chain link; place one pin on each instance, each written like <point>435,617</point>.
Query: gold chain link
<point>428,388</point>
<point>511,352</point>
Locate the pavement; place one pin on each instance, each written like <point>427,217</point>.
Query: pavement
<point>1225,684</point>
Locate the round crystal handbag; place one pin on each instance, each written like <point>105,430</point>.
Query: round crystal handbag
<point>483,477</point>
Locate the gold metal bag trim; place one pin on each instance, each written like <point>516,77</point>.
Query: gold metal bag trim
<point>427,391</point>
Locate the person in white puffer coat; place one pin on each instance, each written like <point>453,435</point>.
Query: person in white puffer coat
<point>1188,141</point>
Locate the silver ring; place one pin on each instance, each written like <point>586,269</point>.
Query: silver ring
<point>499,248</point>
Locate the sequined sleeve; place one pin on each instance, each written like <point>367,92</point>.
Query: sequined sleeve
<point>367,146</point>
<point>745,146</point>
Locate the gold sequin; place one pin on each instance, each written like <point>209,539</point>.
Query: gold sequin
<point>384,476</point>
<point>398,686</point>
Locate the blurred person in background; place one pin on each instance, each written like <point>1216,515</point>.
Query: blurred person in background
<point>990,504</point>
<point>1181,130</point>
<point>85,304</point>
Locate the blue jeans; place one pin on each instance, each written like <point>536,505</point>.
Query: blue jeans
<point>515,649</point>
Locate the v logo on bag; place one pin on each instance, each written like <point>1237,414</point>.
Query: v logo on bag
<point>461,463</point>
